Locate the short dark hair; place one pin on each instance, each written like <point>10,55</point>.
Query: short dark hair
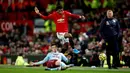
<point>59,7</point>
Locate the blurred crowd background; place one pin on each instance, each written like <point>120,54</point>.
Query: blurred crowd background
<point>23,31</point>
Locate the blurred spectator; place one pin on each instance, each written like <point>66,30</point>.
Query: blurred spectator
<point>20,60</point>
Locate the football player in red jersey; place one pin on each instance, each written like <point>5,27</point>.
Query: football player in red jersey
<point>60,18</point>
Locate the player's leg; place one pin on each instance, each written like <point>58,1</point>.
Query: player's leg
<point>76,51</point>
<point>56,65</point>
<point>53,65</point>
<point>69,39</point>
<point>60,36</point>
<point>62,65</point>
<point>64,46</point>
<point>66,40</point>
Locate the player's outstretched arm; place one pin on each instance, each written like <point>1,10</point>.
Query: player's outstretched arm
<point>44,17</point>
<point>64,58</point>
<point>75,15</point>
<point>41,62</point>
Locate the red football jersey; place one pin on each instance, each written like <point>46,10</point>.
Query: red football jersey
<point>61,20</point>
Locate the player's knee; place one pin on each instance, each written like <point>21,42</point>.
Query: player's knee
<point>67,35</point>
<point>57,63</point>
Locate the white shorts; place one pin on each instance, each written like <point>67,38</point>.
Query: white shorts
<point>60,36</point>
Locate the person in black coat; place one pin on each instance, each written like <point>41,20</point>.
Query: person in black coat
<point>110,31</point>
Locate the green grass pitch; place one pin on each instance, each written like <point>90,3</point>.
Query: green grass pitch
<point>22,69</point>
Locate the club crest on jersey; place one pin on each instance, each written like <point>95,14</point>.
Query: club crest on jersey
<point>107,23</point>
<point>114,20</point>
<point>60,20</point>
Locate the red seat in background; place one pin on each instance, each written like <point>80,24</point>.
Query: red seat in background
<point>19,15</point>
<point>12,16</point>
<point>1,16</point>
<point>25,14</point>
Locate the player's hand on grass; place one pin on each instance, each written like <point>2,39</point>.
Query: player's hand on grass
<point>31,63</point>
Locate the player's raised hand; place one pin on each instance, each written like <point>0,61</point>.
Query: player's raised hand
<point>36,10</point>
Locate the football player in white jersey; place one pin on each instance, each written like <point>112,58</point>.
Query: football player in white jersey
<point>54,60</point>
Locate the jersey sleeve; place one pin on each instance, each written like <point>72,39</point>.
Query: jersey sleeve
<point>43,61</point>
<point>72,15</point>
<point>63,57</point>
<point>50,16</point>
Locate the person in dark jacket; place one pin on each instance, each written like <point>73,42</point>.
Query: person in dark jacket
<point>110,31</point>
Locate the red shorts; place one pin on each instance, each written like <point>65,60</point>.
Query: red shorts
<point>51,64</point>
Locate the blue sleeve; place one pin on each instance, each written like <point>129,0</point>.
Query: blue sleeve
<point>43,61</point>
<point>64,58</point>
<point>102,27</point>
